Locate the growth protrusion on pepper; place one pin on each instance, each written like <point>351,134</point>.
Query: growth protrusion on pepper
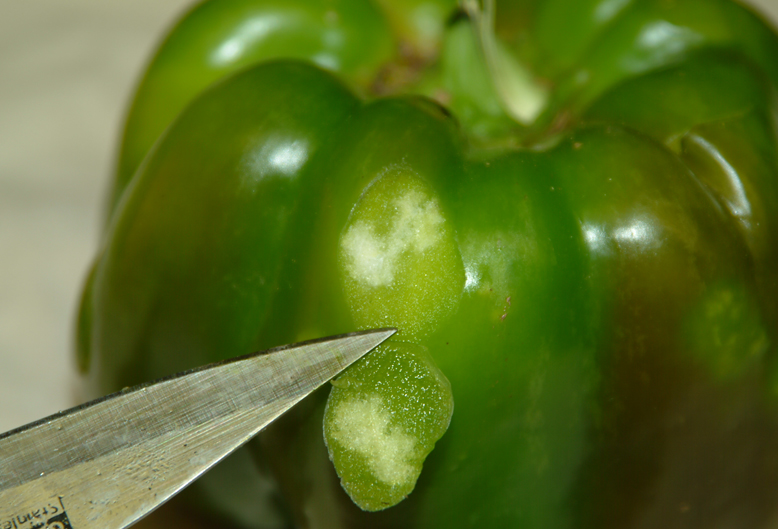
<point>399,261</point>
<point>383,417</point>
<point>385,414</point>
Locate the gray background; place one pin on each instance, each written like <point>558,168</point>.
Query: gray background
<point>67,68</point>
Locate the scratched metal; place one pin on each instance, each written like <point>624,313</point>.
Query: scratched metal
<point>110,462</point>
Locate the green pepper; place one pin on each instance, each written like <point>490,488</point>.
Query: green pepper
<point>569,210</point>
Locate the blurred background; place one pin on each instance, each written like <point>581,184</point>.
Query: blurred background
<point>67,68</point>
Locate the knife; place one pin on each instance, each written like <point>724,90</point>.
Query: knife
<point>109,462</point>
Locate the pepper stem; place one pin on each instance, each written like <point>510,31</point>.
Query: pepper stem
<point>520,95</point>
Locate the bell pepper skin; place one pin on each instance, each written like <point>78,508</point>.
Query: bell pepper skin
<point>576,238</point>
<point>216,39</point>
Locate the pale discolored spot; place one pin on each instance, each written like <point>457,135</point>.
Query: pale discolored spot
<point>399,260</point>
<point>372,258</point>
<point>364,426</point>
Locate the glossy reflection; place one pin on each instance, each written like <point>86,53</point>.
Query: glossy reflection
<point>595,237</point>
<point>247,34</point>
<point>735,197</point>
<point>274,157</point>
<point>662,41</point>
<point>259,31</point>
<point>637,232</point>
<point>609,9</point>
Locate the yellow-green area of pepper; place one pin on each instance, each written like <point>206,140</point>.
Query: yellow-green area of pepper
<point>401,264</point>
<point>568,209</point>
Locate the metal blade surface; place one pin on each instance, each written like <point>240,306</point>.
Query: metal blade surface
<point>110,462</point>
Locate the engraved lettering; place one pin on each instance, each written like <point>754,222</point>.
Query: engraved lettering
<point>49,514</point>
